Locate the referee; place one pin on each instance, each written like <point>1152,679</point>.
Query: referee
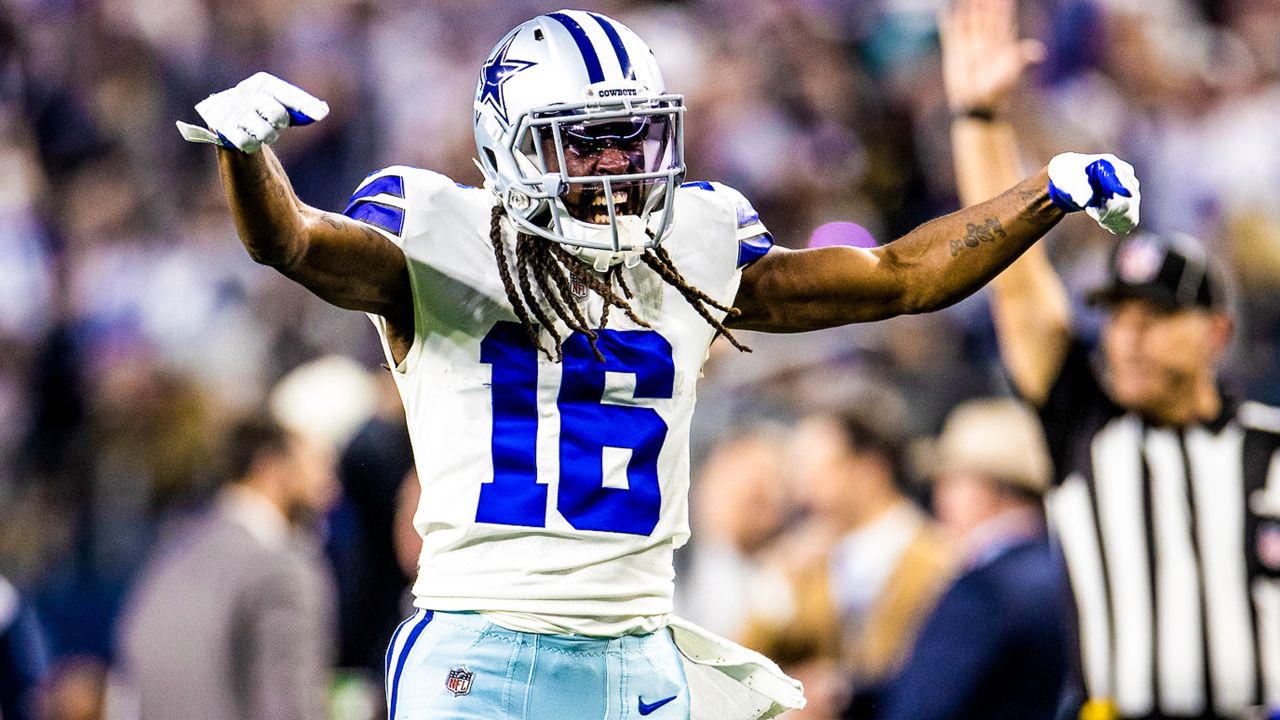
<point>1168,488</point>
<point>1164,486</point>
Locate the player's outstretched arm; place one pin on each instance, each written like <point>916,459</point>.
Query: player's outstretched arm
<point>346,263</point>
<point>931,267</point>
<point>982,61</point>
<point>938,263</point>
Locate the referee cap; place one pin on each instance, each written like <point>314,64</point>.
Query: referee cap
<point>997,438</point>
<point>1171,270</point>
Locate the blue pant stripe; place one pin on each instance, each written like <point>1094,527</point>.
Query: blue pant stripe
<point>615,39</point>
<point>404,656</point>
<point>589,56</point>
<point>394,637</point>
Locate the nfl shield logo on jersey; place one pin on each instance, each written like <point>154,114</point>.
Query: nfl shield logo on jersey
<point>459,681</point>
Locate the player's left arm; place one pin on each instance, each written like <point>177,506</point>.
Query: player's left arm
<point>933,266</point>
<point>938,263</point>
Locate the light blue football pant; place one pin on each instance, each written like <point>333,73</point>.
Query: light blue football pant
<point>501,674</point>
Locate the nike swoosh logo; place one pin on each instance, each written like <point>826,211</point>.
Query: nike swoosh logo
<point>646,708</point>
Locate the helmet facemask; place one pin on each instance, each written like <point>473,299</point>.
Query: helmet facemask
<point>598,175</point>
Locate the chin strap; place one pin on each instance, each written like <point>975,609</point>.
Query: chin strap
<point>602,260</point>
<point>631,233</point>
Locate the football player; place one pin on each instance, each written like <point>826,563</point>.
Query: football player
<point>546,332</point>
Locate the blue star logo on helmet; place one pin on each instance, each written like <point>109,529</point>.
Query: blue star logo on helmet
<point>495,73</point>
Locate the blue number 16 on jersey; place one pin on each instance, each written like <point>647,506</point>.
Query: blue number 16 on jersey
<point>587,426</point>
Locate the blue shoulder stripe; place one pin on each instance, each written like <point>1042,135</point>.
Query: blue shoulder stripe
<point>615,39</point>
<point>589,56</point>
<point>387,217</point>
<point>754,248</point>
<point>392,185</point>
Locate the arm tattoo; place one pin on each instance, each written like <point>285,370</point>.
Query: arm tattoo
<point>975,234</point>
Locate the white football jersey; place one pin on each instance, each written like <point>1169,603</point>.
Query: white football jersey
<point>553,494</point>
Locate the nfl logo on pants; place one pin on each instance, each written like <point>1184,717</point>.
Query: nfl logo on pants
<point>459,681</point>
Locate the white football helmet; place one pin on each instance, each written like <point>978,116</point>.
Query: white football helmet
<point>578,136</point>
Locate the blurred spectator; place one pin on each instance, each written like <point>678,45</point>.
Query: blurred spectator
<point>140,448</point>
<point>23,658</point>
<point>371,583</point>
<point>233,617</point>
<point>826,687</point>
<point>75,690</point>
<point>739,502</point>
<point>406,542</point>
<point>996,646</point>
<point>852,583</point>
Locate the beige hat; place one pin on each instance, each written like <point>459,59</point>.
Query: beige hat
<point>999,438</point>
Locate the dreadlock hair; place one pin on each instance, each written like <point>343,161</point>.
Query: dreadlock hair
<point>553,270</point>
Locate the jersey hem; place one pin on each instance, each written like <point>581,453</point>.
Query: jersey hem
<point>595,625</point>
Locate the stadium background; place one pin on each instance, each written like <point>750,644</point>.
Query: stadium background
<point>132,325</point>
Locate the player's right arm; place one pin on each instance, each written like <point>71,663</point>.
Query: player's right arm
<point>982,60</point>
<point>344,262</point>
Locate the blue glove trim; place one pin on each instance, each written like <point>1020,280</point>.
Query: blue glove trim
<point>1062,200</point>
<point>1102,181</point>
<point>297,118</point>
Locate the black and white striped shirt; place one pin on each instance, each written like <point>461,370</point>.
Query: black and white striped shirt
<point>1172,540</point>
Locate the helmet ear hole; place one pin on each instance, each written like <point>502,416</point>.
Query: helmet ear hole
<point>491,160</point>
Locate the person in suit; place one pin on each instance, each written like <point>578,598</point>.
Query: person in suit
<point>233,618</point>
<point>997,644</point>
<point>846,589</point>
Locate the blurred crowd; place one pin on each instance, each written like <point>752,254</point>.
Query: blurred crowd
<point>133,327</point>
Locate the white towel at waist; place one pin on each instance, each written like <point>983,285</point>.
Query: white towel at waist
<point>730,682</point>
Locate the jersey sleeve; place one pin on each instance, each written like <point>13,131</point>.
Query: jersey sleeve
<point>381,201</point>
<point>402,203</point>
<point>753,238</point>
<point>395,200</point>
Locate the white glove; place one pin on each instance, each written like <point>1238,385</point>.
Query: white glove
<point>1104,186</point>
<point>251,114</point>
